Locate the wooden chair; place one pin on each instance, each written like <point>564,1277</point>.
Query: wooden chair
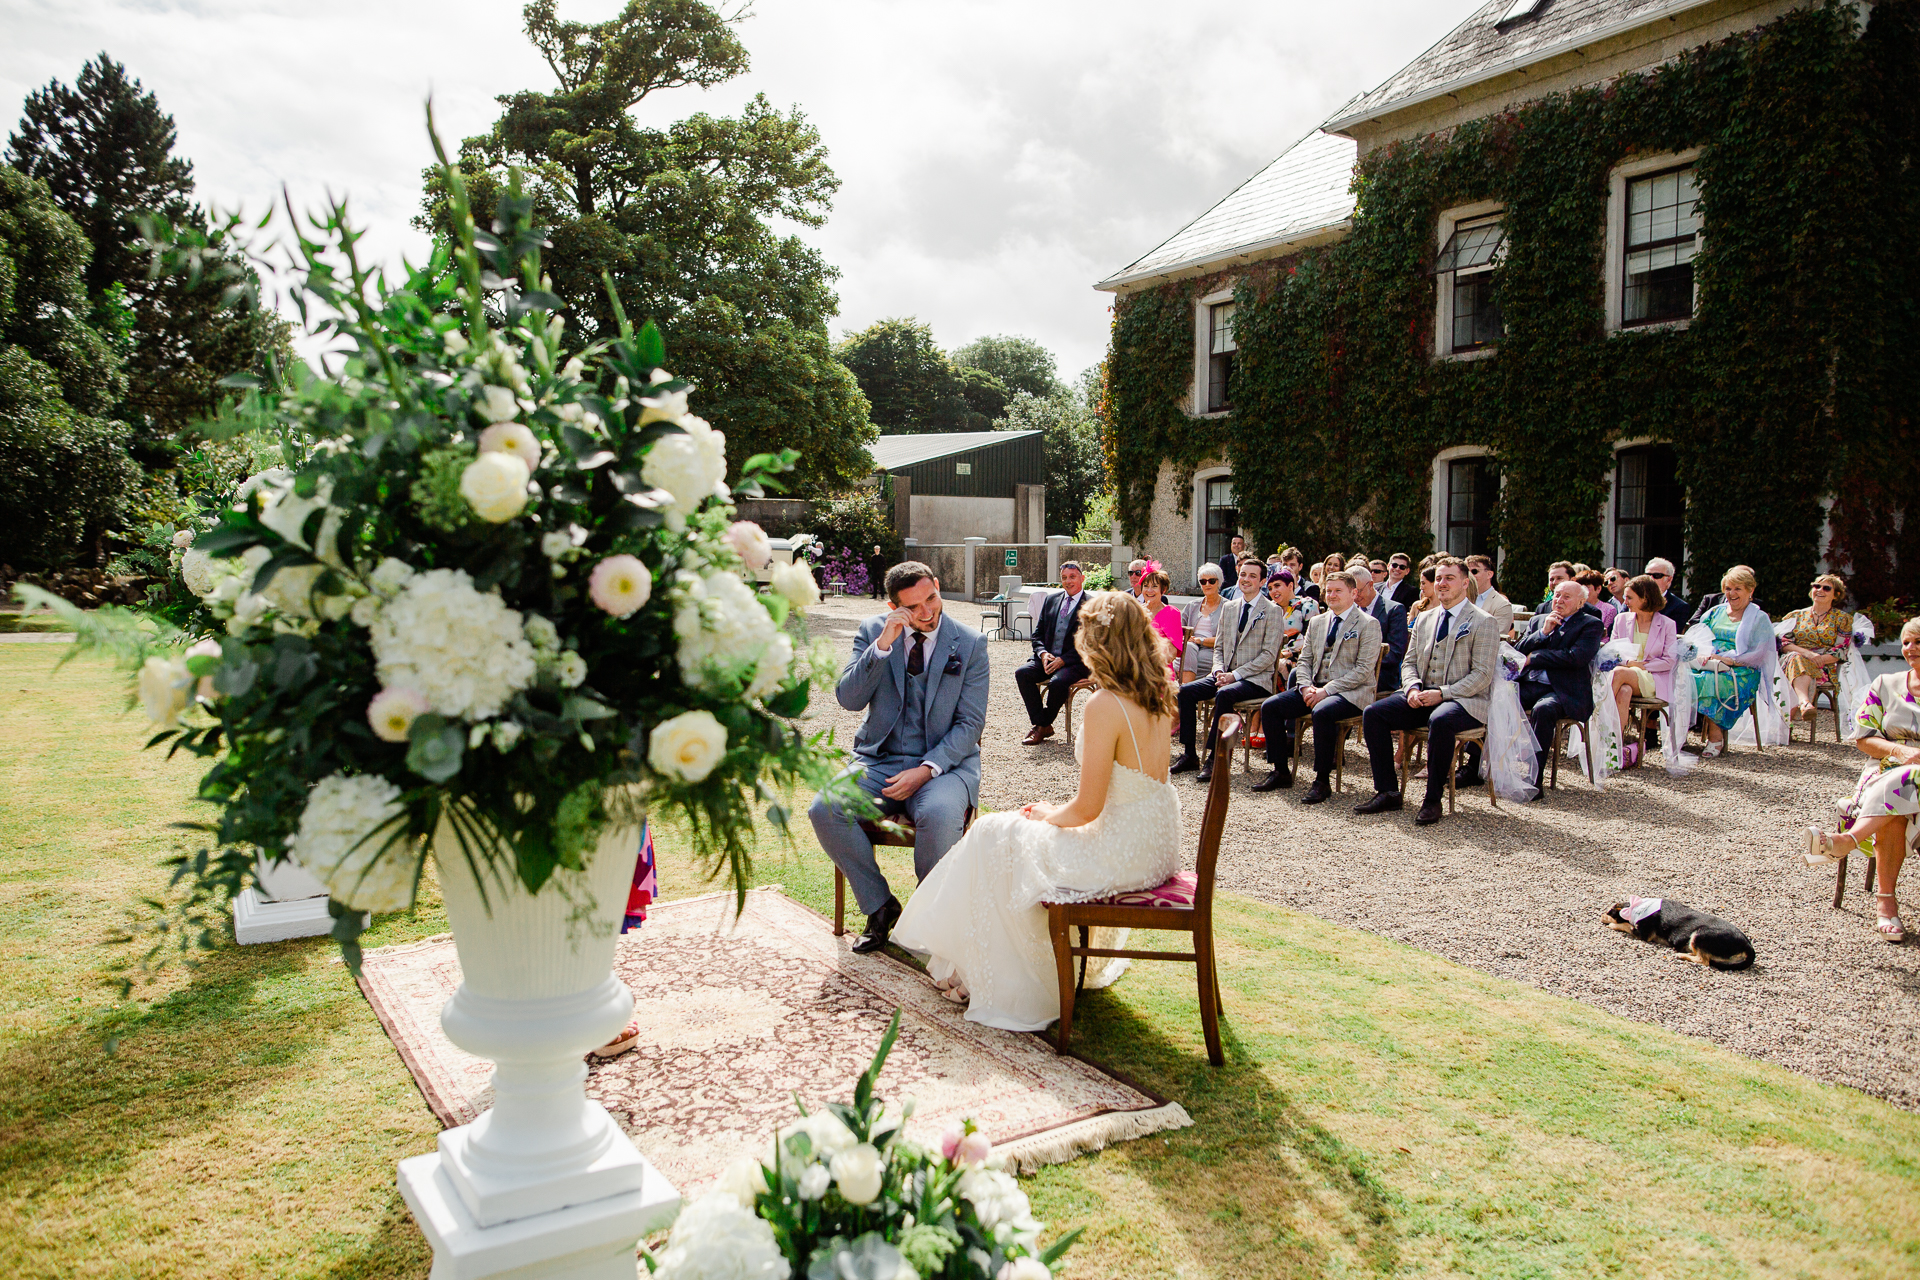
<point>1641,714</point>
<point>898,832</point>
<point>1074,691</point>
<point>1184,904</point>
<point>1831,692</point>
<point>1560,732</point>
<point>1345,728</point>
<point>1840,868</point>
<point>1453,766</point>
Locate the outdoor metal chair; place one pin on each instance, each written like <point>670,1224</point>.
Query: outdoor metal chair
<point>1183,904</point>
<point>897,832</point>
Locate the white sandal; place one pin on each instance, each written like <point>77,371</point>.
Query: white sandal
<point>1890,927</point>
<point>1713,749</point>
<point>1820,851</point>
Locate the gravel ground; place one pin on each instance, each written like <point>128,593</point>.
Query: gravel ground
<point>1519,891</point>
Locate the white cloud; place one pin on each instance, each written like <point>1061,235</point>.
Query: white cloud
<point>996,157</point>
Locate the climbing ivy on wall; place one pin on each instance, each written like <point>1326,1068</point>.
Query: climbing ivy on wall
<point>1796,379</point>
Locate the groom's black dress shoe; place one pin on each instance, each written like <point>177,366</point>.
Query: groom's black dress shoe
<point>1187,763</point>
<point>1381,802</point>
<point>879,925</point>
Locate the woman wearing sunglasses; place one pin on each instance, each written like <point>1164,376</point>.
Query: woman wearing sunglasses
<point>1812,643</point>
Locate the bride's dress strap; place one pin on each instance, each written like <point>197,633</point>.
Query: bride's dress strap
<point>1142,766</point>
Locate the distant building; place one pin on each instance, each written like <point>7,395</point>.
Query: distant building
<point>966,484</point>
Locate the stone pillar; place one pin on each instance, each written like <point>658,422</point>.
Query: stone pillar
<point>1024,529</point>
<point>973,545</point>
<point>1056,543</point>
<point>903,505</point>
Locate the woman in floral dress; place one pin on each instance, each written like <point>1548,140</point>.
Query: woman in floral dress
<point>1811,643</point>
<point>1880,818</point>
<point>1742,662</point>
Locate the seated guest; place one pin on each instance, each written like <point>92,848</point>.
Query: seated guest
<point>1136,570</point>
<point>1165,618</point>
<point>1615,581</point>
<point>1312,589</point>
<point>1294,562</point>
<point>1378,568</point>
<point>1201,622</point>
<point>1446,686</point>
<point>1056,661</point>
<point>1661,570</point>
<point>1880,817</point>
<point>1429,595</point>
<point>1333,682</point>
<point>1810,653</point>
<point>1243,667</point>
<point>1392,618</point>
<point>1486,596</point>
<point>1557,572</point>
<point>1403,584</point>
<point>1295,611</point>
<point>1649,672</point>
<point>1230,562</point>
<point>1594,581</point>
<point>1743,664</point>
<point>1556,678</point>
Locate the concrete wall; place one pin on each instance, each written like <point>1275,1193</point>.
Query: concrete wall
<point>939,519</point>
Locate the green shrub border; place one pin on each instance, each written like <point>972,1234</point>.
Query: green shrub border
<point>1797,377</point>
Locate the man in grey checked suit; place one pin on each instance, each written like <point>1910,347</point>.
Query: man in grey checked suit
<point>922,679</point>
<point>1249,641</point>
<point>1446,686</point>
<point>1333,682</point>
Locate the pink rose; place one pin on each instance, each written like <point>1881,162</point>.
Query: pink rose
<point>749,542</point>
<point>950,1143</point>
<point>974,1149</point>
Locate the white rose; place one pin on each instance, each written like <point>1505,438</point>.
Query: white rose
<point>743,1179</point>
<point>554,545</point>
<point>495,486</point>
<point>541,633</point>
<point>572,669</point>
<point>688,746</point>
<point>163,685</point>
<point>814,1181</point>
<point>497,404</point>
<point>183,539</point>
<point>513,438</point>
<point>795,582</point>
<point>859,1172</point>
<point>1025,1269</point>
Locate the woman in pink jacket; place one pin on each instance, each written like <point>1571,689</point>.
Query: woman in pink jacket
<point>1166,619</point>
<point>1648,673</point>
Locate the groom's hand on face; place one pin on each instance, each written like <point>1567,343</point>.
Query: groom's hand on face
<point>901,786</point>
<point>897,623</point>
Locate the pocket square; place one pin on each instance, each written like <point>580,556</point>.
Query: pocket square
<point>953,665</point>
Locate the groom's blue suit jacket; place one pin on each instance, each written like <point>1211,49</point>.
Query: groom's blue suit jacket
<point>956,696</point>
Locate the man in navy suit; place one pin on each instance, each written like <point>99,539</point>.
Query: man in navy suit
<point>1056,662</point>
<point>1557,681</point>
<point>921,677</point>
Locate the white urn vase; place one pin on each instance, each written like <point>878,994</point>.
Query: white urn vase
<point>544,1183</point>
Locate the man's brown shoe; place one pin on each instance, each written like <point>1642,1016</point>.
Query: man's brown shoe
<point>1037,735</point>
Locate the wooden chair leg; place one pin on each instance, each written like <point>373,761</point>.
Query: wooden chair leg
<point>1081,984</point>
<point>1868,882</point>
<point>839,903</point>
<point>1063,973</point>
<point>1210,1006</point>
<point>1553,765</point>
<point>1758,746</point>
<point>1593,760</point>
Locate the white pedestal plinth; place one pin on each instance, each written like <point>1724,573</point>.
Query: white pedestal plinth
<point>258,919</point>
<point>597,1240</point>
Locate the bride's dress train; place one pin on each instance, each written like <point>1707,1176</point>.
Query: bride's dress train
<point>978,918</point>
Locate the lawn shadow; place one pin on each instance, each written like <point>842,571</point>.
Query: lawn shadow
<point>1256,1186</point>
<point>395,1249</point>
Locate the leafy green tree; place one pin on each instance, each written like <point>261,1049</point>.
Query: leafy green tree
<point>64,469</point>
<point>680,218</point>
<point>911,384</point>
<point>1076,471</point>
<point>104,149</point>
<point>1021,364</point>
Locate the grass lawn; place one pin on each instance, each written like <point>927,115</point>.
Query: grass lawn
<point>1382,1111</point>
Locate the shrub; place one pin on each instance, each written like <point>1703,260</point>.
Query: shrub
<point>65,476</point>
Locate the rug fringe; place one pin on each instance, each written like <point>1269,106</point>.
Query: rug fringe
<point>1057,1146</point>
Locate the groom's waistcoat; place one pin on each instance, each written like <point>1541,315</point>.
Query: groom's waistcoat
<point>908,741</point>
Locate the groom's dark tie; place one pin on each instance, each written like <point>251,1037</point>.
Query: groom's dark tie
<point>916,663</point>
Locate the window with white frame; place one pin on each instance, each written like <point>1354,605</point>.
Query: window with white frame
<point>1465,270</point>
<point>1473,487</point>
<point>1662,237</point>
<point>1220,356</point>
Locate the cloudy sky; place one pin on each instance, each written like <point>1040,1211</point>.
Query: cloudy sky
<point>996,157</point>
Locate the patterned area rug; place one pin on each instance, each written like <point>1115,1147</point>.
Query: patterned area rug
<point>736,1017</point>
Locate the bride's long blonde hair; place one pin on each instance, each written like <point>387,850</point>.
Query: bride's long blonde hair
<point>1125,653</point>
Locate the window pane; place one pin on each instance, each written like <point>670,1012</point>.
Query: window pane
<point>1476,317</point>
<point>1220,382</point>
<point>1222,327</point>
<point>1223,518</point>
<point>1472,488</point>
<point>1649,508</point>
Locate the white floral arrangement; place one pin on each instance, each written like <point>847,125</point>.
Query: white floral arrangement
<point>496,588</point>
<point>843,1195</point>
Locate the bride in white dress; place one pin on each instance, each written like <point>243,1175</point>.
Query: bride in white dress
<point>978,916</point>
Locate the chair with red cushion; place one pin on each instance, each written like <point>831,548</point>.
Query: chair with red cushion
<point>1183,904</point>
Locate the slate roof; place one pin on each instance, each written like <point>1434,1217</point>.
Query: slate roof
<point>890,453</point>
<point>1303,192</point>
<point>1483,47</point>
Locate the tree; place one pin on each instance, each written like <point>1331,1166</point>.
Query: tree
<point>1076,471</point>
<point>1021,364</point>
<point>64,470</point>
<point>104,149</point>
<point>680,218</point>
<point>911,384</point>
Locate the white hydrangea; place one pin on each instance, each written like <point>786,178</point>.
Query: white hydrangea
<point>716,1239</point>
<point>723,629</point>
<point>200,571</point>
<point>464,649</point>
<point>692,467</point>
<point>1001,1205</point>
<point>341,840</point>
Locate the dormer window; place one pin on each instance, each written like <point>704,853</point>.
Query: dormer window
<point>1520,9</point>
<point>1663,235</point>
<point>1465,268</point>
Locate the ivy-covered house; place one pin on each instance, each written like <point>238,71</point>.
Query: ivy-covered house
<point>1592,279</point>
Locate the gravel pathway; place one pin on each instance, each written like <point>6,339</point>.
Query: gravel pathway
<point>1519,892</point>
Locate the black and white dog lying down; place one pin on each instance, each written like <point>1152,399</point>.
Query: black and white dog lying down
<point>1707,938</point>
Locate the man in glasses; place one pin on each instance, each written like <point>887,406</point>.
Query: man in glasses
<point>1401,586</point>
<point>1661,571</point>
<point>1136,570</point>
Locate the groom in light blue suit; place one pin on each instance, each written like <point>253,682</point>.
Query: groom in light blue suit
<point>921,677</point>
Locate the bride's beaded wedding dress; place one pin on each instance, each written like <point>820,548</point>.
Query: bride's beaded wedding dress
<point>978,918</point>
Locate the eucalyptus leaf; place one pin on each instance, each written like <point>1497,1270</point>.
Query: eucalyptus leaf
<point>435,747</point>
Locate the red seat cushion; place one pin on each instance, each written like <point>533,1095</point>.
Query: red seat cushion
<point>1177,892</point>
